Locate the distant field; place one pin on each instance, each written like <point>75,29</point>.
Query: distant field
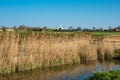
<point>101,34</point>
<point>97,34</point>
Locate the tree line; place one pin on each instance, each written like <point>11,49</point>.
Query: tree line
<point>70,28</point>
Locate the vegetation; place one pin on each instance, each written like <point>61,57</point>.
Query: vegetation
<point>25,50</point>
<point>117,53</point>
<point>29,50</point>
<point>98,34</point>
<point>111,75</point>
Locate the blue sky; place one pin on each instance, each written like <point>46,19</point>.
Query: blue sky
<point>51,13</point>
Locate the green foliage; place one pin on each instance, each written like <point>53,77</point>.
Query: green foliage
<point>4,28</point>
<point>22,27</point>
<point>27,67</point>
<point>117,53</point>
<point>5,70</point>
<point>111,75</point>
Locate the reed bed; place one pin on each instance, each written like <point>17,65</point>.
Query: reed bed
<point>105,51</point>
<point>25,51</point>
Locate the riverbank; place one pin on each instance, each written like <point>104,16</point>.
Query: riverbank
<point>79,71</point>
<point>30,50</point>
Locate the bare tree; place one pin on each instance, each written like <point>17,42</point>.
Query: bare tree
<point>70,28</point>
<point>110,28</point>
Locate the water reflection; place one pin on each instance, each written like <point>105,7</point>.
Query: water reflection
<point>67,72</point>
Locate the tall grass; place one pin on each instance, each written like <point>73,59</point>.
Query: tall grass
<point>105,51</point>
<point>25,51</point>
<point>87,51</point>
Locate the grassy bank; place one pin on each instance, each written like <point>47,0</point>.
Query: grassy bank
<point>21,51</point>
<point>111,75</point>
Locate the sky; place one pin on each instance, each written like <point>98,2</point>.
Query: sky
<point>52,13</point>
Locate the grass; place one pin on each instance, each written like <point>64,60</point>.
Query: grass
<point>102,34</point>
<point>111,75</point>
<point>105,51</point>
<point>21,51</point>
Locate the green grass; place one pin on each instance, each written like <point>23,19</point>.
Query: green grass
<point>97,34</point>
<point>102,34</point>
<point>111,75</point>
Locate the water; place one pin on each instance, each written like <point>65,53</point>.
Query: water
<point>66,72</point>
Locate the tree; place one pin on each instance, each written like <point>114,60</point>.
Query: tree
<point>45,27</point>
<point>4,28</point>
<point>70,28</point>
<point>93,28</point>
<point>36,29</point>
<point>15,27</point>
<point>101,29</point>
<point>86,29</point>
<point>78,28</point>
<point>23,27</point>
<point>110,28</point>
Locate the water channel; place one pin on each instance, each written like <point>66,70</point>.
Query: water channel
<point>67,72</point>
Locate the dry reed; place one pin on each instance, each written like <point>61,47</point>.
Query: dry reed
<point>20,51</point>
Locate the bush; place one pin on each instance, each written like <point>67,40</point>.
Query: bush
<point>111,75</point>
<point>117,53</point>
